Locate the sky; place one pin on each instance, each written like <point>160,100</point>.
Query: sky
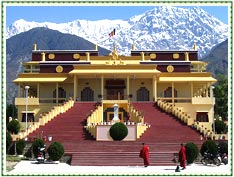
<point>62,14</point>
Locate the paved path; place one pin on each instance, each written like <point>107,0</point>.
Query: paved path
<point>32,168</point>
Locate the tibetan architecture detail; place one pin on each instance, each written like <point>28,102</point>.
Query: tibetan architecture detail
<point>174,80</point>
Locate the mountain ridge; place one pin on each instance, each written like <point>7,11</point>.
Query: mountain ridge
<point>163,27</point>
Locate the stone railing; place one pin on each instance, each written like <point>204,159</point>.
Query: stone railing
<point>136,119</point>
<point>44,118</point>
<point>176,111</point>
<point>94,118</point>
<point>205,129</point>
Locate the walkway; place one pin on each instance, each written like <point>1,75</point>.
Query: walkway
<point>31,168</point>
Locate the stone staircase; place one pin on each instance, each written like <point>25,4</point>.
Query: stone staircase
<point>163,137</point>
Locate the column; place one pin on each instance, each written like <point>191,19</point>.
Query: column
<point>154,88</point>
<point>102,86</point>
<point>172,95</point>
<point>38,90</point>
<point>57,92</point>
<point>207,86</point>
<point>75,88</point>
<point>128,86</point>
<point>19,90</point>
<point>191,84</point>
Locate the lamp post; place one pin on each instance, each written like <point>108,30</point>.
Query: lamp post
<point>26,111</point>
<point>213,108</point>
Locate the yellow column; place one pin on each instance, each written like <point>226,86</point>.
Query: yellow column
<point>102,85</point>
<point>191,84</point>
<point>154,88</point>
<point>38,90</point>
<point>75,88</point>
<point>207,86</point>
<point>172,95</point>
<point>127,86</point>
<point>19,95</point>
<point>57,92</point>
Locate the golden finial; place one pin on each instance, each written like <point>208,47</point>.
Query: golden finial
<point>194,46</point>
<point>35,47</point>
<point>133,46</point>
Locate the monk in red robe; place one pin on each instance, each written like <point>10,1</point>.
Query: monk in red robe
<point>145,154</point>
<point>182,156</point>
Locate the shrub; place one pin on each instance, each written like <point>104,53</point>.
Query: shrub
<point>55,151</point>
<point>8,140</point>
<point>20,145</point>
<point>220,126</point>
<point>118,131</point>
<point>13,126</point>
<point>38,143</point>
<point>209,146</point>
<point>192,152</point>
<point>223,147</point>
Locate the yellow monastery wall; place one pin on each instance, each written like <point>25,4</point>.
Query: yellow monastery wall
<point>36,109</point>
<point>192,109</point>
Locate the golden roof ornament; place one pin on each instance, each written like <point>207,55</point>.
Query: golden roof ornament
<point>194,46</point>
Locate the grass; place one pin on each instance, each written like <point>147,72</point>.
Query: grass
<point>13,158</point>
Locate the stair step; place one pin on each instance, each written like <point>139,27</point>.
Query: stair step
<point>163,137</point>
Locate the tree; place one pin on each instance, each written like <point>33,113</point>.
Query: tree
<point>220,126</point>
<point>11,111</point>
<point>13,126</point>
<point>221,97</point>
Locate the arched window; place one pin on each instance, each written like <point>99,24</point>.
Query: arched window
<point>142,94</point>
<point>61,94</point>
<point>168,94</point>
<point>87,94</point>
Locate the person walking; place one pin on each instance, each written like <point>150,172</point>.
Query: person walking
<point>144,153</point>
<point>182,156</point>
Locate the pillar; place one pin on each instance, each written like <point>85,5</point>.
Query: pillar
<point>191,85</point>
<point>75,88</point>
<point>38,90</point>
<point>128,86</point>
<point>102,86</point>
<point>154,88</point>
<point>57,92</point>
<point>172,95</point>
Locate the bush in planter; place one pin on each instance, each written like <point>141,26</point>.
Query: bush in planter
<point>8,140</point>
<point>192,152</point>
<point>55,151</point>
<point>223,147</point>
<point>36,144</point>
<point>20,145</point>
<point>118,131</point>
<point>13,126</point>
<point>209,146</point>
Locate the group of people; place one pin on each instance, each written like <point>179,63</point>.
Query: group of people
<point>144,153</point>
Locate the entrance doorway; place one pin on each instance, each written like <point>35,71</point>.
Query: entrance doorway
<point>115,94</point>
<point>115,89</point>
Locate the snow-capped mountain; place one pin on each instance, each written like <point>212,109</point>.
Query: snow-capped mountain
<point>162,28</point>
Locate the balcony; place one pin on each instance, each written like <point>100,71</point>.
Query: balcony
<point>22,101</point>
<point>203,100</point>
